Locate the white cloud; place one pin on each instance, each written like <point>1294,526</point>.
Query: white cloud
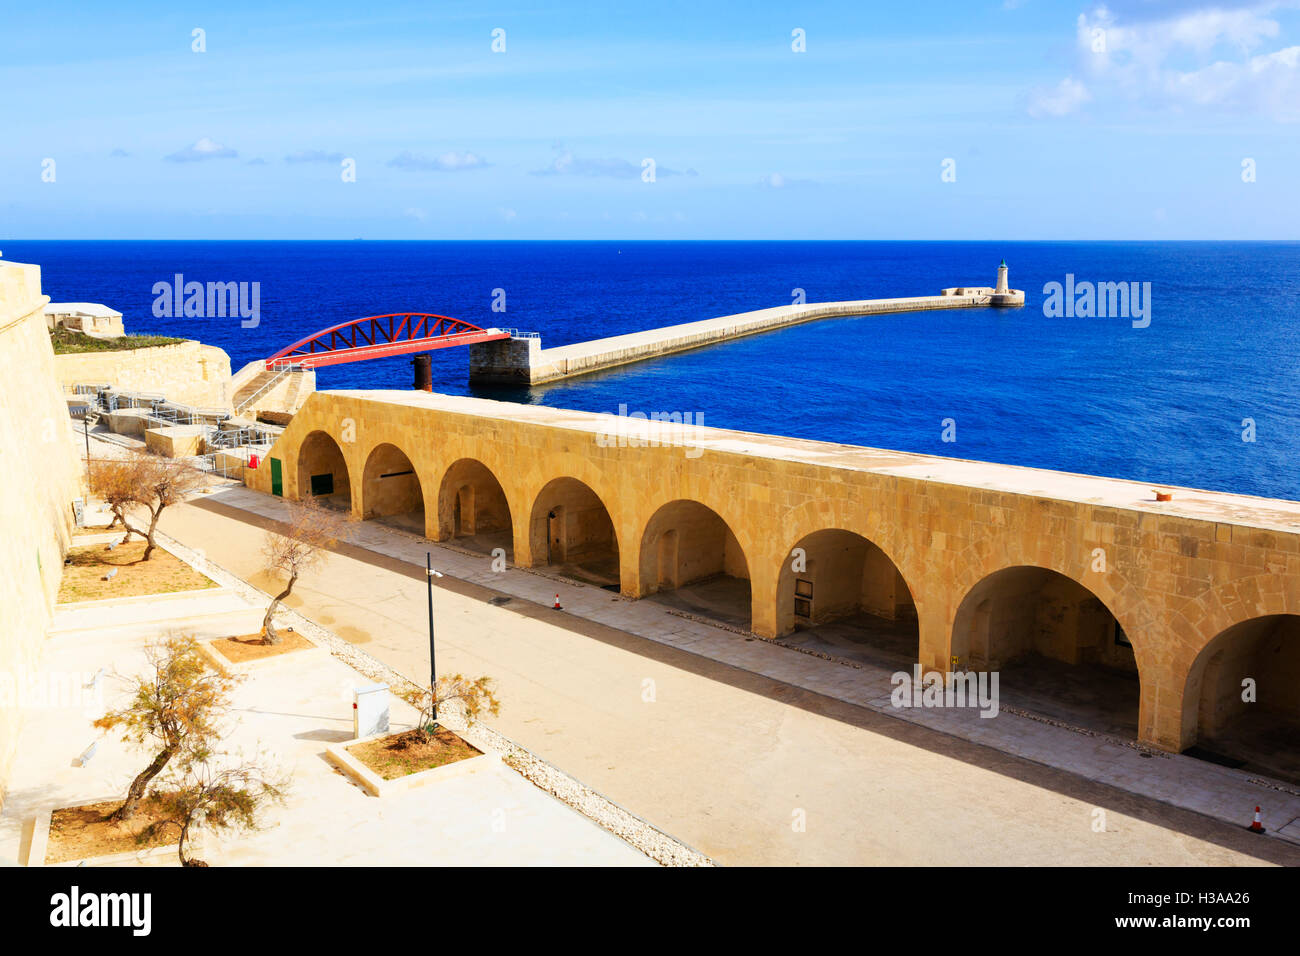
<point>203,149</point>
<point>1205,57</point>
<point>449,162</point>
<point>313,156</point>
<point>782,181</point>
<point>567,164</point>
<point>1060,100</point>
<point>1269,83</point>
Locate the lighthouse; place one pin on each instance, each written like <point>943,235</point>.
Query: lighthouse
<point>1001,296</point>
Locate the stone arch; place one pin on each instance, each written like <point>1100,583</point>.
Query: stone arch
<point>323,471</point>
<point>473,508</point>
<point>1198,622</point>
<point>391,490</point>
<point>570,528</point>
<point>1058,647</point>
<point>878,520</point>
<point>1220,722</point>
<point>835,576</point>
<point>687,545</point>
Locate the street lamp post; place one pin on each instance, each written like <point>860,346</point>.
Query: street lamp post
<point>430,574</point>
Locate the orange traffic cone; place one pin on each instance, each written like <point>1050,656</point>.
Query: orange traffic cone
<point>1258,825</point>
<point>556,605</point>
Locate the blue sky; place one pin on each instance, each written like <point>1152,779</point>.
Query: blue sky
<point>1050,134</point>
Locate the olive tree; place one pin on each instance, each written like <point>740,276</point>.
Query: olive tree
<point>311,531</point>
<point>175,710</point>
<point>471,697</point>
<point>202,796</point>
<point>143,480</point>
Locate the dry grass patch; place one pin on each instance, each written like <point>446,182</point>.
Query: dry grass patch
<point>399,755</point>
<point>77,833</point>
<point>250,646</point>
<point>87,531</point>
<point>83,576</point>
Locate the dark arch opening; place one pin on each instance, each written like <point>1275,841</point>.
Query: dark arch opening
<point>473,510</point>
<point>1243,697</point>
<point>390,490</point>
<point>570,530</point>
<point>1058,650</point>
<point>840,594</point>
<point>323,472</point>
<point>691,560</point>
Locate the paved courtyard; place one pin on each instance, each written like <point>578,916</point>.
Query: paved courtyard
<point>751,752</point>
<point>290,708</point>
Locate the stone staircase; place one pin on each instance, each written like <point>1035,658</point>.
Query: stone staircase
<point>256,388</point>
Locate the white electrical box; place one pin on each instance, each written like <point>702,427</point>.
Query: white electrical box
<point>370,710</point>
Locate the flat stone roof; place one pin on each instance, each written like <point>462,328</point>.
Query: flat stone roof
<point>1266,513</point>
<point>82,308</point>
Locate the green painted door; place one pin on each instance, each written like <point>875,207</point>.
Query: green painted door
<point>277,483</point>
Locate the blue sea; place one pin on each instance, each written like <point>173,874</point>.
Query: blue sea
<point>1162,404</point>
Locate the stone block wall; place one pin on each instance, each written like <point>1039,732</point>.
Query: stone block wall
<point>188,373</point>
<point>40,477</point>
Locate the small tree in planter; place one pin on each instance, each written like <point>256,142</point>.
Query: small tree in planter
<point>201,797</point>
<point>116,482</point>
<point>176,707</point>
<point>313,530</point>
<point>143,480</point>
<point>473,697</point>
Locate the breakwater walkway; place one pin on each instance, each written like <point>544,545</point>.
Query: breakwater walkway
<point>521,360</point>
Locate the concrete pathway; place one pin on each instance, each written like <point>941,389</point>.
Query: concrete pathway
<point>215,612</point>
<point>290,709</point>
<point>749,751</point>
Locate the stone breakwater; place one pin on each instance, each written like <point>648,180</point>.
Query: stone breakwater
<point>523,361</point>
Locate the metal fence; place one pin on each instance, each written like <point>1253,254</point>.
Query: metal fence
<point>99,400</point>
<point>227,466</point>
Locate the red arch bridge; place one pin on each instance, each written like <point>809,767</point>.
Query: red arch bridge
<point>382,336</point>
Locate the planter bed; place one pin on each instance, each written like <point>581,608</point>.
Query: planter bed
<point>382,771</point>
<point>81,834</point>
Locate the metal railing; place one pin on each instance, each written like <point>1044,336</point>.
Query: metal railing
<point>227,466</point>
<point>238,437</point>
<point>281,367</point>
<point>99,400</point>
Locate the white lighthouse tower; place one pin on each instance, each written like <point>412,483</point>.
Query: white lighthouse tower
<point>1001,296</point>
